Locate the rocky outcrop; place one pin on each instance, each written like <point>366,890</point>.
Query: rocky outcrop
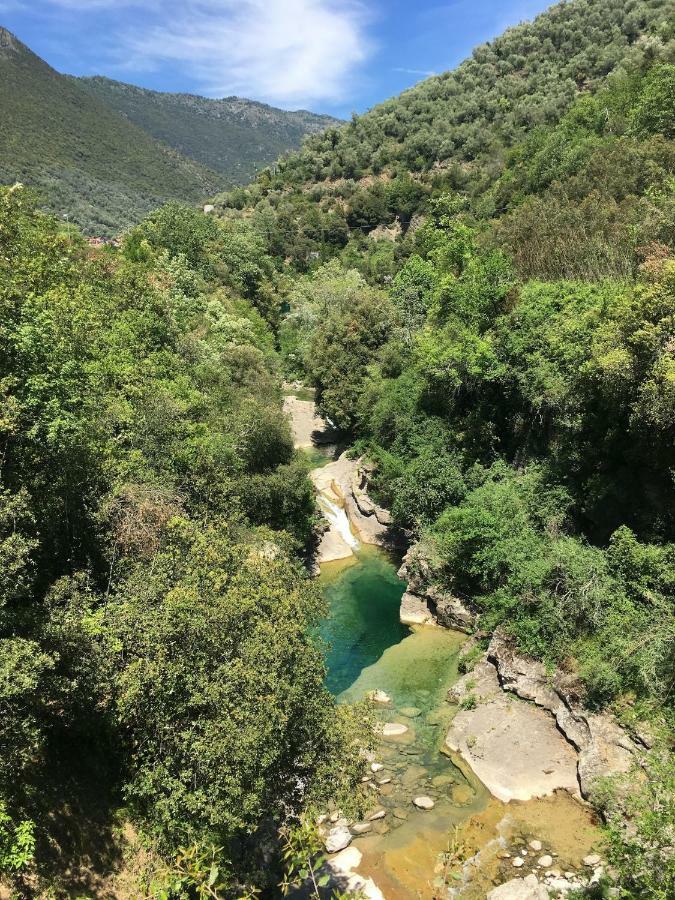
<point>603,747</point>
<point>425,603</point>
<point>513,747</point>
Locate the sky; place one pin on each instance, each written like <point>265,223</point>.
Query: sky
<point>331,56</point>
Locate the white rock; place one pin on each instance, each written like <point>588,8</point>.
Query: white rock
<point>379,696</point>
<point>384,781</point>
<point>338,838</point>
<point>346,860</point>
<point>361,827</point>
<point>517,862</point>
<point>592,859</point>
<point>535,845</point>
<point>380,814</point>
<point>519,889</point>
<point>376,767</point>
<point>394,729</point>
<point>598,872</point>
<point>545,861</point>
<point>424,802</point>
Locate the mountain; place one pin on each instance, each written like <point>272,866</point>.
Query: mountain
<point>232,136</point>
<point>457,131</point>
<point>105,153</point>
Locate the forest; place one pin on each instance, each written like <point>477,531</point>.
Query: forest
<point>478,279</point>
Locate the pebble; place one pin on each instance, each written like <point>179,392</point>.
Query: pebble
<point>518,862</point>
<point>394,729</point>
<point>361,827</point>
<point>376,767</point>
<point>592,859</point>
<point>424,802</point>
<point>545,861</point>
<point>400,813</point>
<point>384,781</point>
<point>380,814</point>
<point>379,696</point>
<point>535,845</point>
<point>335,816</point>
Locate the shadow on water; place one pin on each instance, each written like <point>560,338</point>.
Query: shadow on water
<point>363,621</point>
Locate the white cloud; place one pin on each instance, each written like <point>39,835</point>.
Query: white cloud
<point>290,52</point>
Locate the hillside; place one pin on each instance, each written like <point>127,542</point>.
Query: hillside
<point>454,132</point>
<point>85,159</point>
<point>232,136</point>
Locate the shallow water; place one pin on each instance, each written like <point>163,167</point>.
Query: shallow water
<point>371,649</point>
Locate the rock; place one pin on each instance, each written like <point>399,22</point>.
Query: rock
<point>598,872</point>
<point>604,748</point>
<point>393,729</point>
<point>545,861</point>
<point>415,610</point>
<point>384,781</point>
<point>379,814</point>
<point>535,845</point>
<point>509,744</point>
<point>378,696</point>
<point>346,860</point>
<point>399,813</point>
<point>376,767</point>
<point>592,859</point>
<point>361,827</point>
<point>518,862</point>
<point>338,838</point>
<point>519,889</point>
<point>335,816</point>
<point>208,208</point>
<point>424,802</point>
<point>410,712</point>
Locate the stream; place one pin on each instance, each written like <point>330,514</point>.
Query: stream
<point>369,649</point>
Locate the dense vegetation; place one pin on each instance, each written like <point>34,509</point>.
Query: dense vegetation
<point>486,305</point>
<point>479,280</point>
<point>155,624</point>
<point>231,136</point>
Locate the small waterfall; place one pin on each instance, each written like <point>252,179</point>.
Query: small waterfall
<point>338,520</point>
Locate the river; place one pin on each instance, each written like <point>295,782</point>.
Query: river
<point>369,649</point>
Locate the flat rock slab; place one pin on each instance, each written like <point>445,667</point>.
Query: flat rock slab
<point>424,802</point>
<point>305,423</point>
<point>513,746</point>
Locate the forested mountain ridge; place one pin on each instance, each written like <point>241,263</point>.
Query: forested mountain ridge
<point>456,131</point>
<point>232,136</point>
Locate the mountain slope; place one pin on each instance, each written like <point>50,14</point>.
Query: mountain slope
<point>85,159</point>
<point>464,132</point>
<point>232,136</point>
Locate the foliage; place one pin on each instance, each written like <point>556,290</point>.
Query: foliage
<point>640,812</point>
<point>17,843</point>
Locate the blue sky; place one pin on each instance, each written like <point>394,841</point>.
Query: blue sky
<point>334,56</point>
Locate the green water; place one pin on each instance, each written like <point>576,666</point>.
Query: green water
<point>370,649</point>
<point>364,602</point>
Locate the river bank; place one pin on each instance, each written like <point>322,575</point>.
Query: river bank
<point>501,787</point>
